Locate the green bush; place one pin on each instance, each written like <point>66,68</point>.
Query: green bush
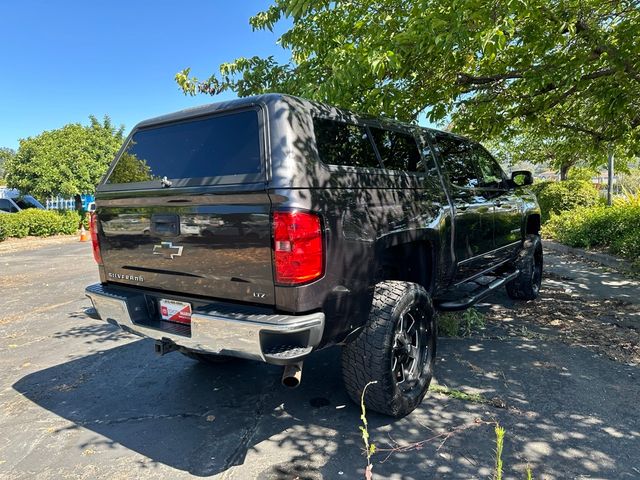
<point>557,197</point>
<point>12,225</point>
<point>615,228</point>
<point>70,222</point>
<point>40,223</point>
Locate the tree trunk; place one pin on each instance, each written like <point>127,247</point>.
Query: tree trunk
<point>78,202</point>
<point>78,207</point>
<point>564,171</point>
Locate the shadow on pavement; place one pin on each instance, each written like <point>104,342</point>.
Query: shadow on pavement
<point>197,418</point>
<point>568,413</point>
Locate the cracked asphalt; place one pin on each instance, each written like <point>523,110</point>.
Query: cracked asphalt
<point>81,399</point>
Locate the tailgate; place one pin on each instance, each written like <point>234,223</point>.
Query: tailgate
<point>204,247</point>
<point>184,208</point>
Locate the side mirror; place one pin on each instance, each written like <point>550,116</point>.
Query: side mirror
<point>521,178</point>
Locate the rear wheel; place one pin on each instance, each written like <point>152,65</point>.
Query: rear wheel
<point>207,358</point>
<point>396,349</point>
<point>526,286</point>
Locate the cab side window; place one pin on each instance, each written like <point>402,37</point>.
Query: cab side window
<point>346,144</point>
<point>398,150</point>
<point>492,174</point>
<point>432,177</point>
<point>458,161</point>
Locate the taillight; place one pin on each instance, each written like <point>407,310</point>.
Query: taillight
<point>93,228</point>
<point>298,247</point>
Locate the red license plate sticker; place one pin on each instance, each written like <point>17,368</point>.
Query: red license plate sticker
<point>173,311</point>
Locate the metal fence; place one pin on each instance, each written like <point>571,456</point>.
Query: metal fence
<point>60,203</point>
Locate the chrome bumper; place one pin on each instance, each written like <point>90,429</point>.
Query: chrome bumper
<point>272,338</point>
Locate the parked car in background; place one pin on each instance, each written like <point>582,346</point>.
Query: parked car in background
<point>11,201</point>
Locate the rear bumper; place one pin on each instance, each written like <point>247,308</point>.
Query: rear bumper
<point>215,328</point>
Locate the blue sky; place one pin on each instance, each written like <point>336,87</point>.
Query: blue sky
<point>65,60</point>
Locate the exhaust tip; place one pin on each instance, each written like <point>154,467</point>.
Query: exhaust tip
<point>292,375</point>
<point>290,382</point>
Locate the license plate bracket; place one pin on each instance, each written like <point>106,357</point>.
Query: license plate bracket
<point>175,311</point>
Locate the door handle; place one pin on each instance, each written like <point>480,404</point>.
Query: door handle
<point>165,225</point>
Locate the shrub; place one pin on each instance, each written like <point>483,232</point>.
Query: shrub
<point>40,223</point>
<point>616,228</point>
<point>13,226</point>
<point>70,222</point>
<point>581,173</point>
<point>557,197</point>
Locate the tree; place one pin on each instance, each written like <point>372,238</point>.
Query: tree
<point>68,161</point>
<point>5,154</point>
<point>565,72</point>
<point>560,152</point>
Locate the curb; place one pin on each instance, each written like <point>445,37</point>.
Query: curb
<point>601,258</point>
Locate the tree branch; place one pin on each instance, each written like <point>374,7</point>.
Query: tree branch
<point>597,136</point>
<point>466,79</point>
<point>583,28</point>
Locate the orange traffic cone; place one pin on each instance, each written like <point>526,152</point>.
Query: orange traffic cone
<point>84,236</point>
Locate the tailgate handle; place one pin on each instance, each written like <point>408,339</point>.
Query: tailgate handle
<point>165,224</point>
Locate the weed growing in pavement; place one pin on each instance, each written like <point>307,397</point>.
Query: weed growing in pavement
<point>458,394</point>
<point>460,324</point>
<point>497,474</point>
<point>529,473</point>
<point>472,319</point>
<point>369,448</point>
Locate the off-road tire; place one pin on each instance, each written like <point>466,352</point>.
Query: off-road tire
<point>207,358</point>
<point>370,356</point>
<point>526,286</point>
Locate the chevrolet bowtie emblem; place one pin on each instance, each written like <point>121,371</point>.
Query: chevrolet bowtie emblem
<point>167,250</point>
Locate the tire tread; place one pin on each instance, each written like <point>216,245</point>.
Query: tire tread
<point>365,359</point>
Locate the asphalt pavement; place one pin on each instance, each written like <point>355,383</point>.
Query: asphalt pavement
<point>81,399</point>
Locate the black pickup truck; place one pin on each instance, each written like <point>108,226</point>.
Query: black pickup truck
<point>269,227</point>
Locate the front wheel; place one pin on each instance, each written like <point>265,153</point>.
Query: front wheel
<point>526,286</point>
<point>396,349</point>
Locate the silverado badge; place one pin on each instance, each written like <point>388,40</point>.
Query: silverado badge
<point>167,250</point>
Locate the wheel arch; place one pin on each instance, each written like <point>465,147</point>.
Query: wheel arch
<point>408,256</point>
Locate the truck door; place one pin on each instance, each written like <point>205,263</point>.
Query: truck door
<point>473,205</point>
<point>507,206</point>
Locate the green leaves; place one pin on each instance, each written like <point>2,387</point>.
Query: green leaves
<point>567,71</point>
<point>40,223</point>
<point>615,228</point>
<point>68,161</point>
<point>5,154</point>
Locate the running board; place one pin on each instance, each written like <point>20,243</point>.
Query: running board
<point>466,302</point>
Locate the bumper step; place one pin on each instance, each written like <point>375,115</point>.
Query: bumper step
<point>286,352</point>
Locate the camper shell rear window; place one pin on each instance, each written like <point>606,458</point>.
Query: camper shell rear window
<point>224,148</point>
